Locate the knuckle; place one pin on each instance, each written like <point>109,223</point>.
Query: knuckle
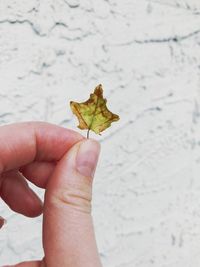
<point>74,198</point>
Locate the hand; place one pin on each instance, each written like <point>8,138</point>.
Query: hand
<point>62,162</point>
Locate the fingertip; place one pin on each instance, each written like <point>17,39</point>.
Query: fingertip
<point>2,222</point>
<point>35,206</point>
<point>19,196</point>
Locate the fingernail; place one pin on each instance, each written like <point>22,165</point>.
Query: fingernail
<point>87,157</point>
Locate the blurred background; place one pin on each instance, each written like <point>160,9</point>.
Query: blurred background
<point>146,53</point>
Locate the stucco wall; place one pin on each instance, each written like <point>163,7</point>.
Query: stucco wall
<point>146,204</point>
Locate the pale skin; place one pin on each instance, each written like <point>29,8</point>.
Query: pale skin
<point>63,163</point>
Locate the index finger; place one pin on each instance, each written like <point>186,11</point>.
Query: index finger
<point>22,143</point>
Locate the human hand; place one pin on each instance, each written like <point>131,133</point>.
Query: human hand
<point>62,162</point>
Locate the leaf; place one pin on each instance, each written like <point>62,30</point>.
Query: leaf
<point>93,114</point>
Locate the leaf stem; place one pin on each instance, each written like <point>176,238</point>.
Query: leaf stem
<point>88,133</point>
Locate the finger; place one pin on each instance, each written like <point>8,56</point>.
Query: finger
<point>2,221</point>
<point>68,238</point>
<point>35,141</point>
<point>27,264</point>
<point>18,196</point>
<point>38,172</point>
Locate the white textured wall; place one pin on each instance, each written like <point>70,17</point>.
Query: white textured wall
<point>147,55</point>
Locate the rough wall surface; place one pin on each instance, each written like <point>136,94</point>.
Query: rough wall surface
<point>146,204</point>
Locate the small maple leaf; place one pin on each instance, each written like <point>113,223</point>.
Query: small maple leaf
<point>93,114</point>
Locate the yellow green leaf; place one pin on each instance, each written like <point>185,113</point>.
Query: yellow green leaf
<point>93,114</point>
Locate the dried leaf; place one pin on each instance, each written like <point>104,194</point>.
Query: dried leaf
<point>93,114</point>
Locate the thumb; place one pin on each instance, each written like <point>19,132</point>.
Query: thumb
<point>68,234</point>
